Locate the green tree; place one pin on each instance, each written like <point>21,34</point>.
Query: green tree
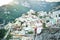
<point>2,33</point>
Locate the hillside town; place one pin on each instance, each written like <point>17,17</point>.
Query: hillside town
<point>29,19</point>
<point>32,23</point>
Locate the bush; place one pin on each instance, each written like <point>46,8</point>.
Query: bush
<point>2,33</point>
<point>30,32</point>
<point>8,37</point>
<point>44,25</point>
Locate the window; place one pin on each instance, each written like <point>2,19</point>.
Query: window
<point>59,15</point>
<point>56,15</point>
<point>40,16</point>
<point>47,21</point>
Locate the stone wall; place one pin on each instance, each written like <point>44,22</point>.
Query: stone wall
<point>49,34</point>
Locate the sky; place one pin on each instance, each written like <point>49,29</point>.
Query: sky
<point>5,2</point>
<point>47,0</point>
<point>53,0</point>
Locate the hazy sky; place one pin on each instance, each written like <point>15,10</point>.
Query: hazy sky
<point>4,2</point>
<point>53,0</point>
<point>47,0</point>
